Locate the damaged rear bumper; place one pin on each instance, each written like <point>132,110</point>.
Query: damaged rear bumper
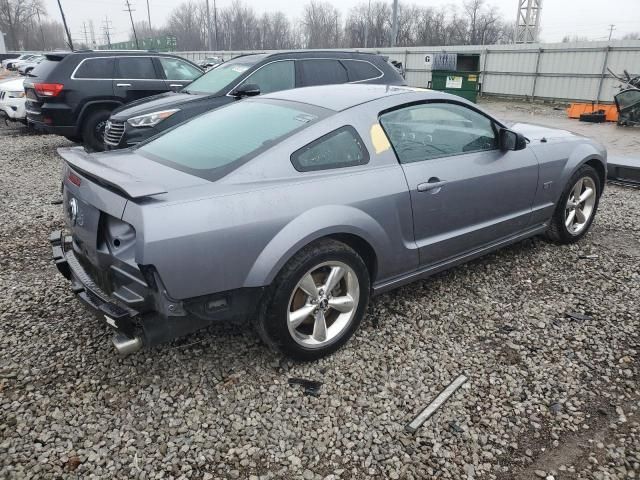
<point>169,318</point>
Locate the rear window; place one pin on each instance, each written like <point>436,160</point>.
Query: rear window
<point>44,68</point>
<point>216,142</point>
<point>95,68</point>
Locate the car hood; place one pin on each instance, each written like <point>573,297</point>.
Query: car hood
<point>537,132</point>
<point>12,85</point>
<point>155,103</point>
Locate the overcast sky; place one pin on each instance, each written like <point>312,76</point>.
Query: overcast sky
<point>589,18</point>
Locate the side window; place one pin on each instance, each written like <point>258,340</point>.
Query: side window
<point>361,70</point>
<point>323,72</point>
<point>176,69</point>
<point>341,148</point>
<point>433,130</point>
<point>273,77</point>
<point>136,68</point>
<point>95,68</point>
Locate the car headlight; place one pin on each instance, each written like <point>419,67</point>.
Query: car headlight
<point>16,94</point>
<point>151,119</point>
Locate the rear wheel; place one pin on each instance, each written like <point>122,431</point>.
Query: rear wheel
<point>577,207</point>
<point>93,129</point>
<point>316,302</point>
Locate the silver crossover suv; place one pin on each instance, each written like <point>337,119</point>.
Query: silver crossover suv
<point>287,211</point>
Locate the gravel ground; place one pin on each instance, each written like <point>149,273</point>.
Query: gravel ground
<point>548,396</point>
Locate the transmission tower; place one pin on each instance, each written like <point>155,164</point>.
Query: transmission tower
<point>92,31</point>
<point>106,29</point>
<point>86,35</point>
<point>528,21</point>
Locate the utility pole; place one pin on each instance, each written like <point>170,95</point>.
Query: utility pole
<point>94,44</point>
<point>215,20</point>
<point>66,28</point>
<point>394,24</point>
<point>105,28</point>
<point>612,27</point>
<point>366,25</point>
<point>129,9</point>
<point>86,34</point>
<point>208,27</point>
<point>149,17</point>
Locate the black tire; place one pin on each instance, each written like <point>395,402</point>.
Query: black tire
<point>93,129</point>
<point>74,138</point>
<point>271,322</point>
<point>558,232</point>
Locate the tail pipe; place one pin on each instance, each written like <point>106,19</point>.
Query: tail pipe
<point>126,345</point>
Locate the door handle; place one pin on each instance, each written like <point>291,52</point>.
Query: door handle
<point>176,85</point>
<point>123,84</point>
<point>433,185</point>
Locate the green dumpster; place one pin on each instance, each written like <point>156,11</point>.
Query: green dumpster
<point>462,80</point>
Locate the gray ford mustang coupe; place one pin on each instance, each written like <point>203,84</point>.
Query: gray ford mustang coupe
<point>287,211</point>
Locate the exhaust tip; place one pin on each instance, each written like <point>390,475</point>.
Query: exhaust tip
<point>126,345</point>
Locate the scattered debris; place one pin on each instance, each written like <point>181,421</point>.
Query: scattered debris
<point>424,415</point>
<point>73,463</point>
<point>56,202</point>
<point>507,328</point>
<point>311,387</point>
<point>555,408</point>
<point>455,427</point>
<point>579,317</point>
<point>587,257</point>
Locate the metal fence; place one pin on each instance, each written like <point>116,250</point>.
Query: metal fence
<point>555,71</point>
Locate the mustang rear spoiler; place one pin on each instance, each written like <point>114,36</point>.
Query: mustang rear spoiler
<point>126,183</point>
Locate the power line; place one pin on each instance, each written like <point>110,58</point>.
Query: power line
<point>135,35</point>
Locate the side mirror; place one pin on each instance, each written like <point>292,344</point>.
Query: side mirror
<point>510,140</point>
<point>246,90</point>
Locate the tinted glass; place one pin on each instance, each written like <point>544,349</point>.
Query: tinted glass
<point>323,72</point>
<point>176,69</point>
<point>361,70</point>
<point>220,77</point>
<point>433,130</point>
<point>44,68</point>
<point>338,149</point>
<point>211,144</point>
<point>96,68</point>
<point>136,67</point>
<point>274,77</point>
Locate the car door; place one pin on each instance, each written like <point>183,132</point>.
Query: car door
<point>177,73</point>
<point>465,192</point>
<point>273,76</point>
<point>137,77</point>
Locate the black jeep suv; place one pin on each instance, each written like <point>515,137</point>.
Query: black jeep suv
<point>240,77</point>
<point>73,94</point>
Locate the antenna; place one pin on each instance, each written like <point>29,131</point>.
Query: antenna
<point>129,9</point>
<point>528,21</point>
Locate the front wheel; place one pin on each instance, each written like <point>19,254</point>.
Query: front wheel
<point>577,207</point>
<point>93,130</point>
<point>316,302</point>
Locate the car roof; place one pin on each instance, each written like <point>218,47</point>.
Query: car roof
<point>342,96</point>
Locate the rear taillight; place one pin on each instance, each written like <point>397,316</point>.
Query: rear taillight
<point>48,89</point>
<point>73,178</point>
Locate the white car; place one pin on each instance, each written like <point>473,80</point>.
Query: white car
<point>12,100</point>
<point>13,63</point>
<point>27,65</point>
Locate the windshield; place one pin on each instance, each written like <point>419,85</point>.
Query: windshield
<point>215,80</point>
<point>216,142</point>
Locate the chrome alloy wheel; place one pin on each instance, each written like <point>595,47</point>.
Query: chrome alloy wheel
<point>323,304</point>
<point>580,204</point>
